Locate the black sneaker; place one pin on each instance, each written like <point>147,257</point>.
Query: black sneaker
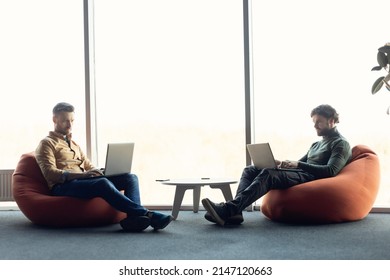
<point>135,224</point>
<point>159,220</point>
<point>216,211</point>
<point>233,220</point>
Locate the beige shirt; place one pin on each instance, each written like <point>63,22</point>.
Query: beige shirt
<point>56,158</point>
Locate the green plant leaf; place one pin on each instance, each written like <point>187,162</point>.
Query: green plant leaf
<point>386,79</point>
<point>377,85</point>
<point>376,68</point>
<point>384,49</point>
<point>382,59</point>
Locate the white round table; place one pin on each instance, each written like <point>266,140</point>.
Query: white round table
<point>195,184</point>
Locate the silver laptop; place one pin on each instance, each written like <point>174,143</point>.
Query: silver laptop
<point>262,157</point>
<point>119,158</point>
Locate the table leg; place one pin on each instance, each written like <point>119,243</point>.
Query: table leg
<point>226,191</point>
<point>179,194</point>
<point>196,199</point>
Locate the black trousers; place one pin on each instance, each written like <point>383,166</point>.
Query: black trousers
<point>255,183</point>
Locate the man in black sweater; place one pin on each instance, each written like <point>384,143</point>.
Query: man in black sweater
<point>324,159</point>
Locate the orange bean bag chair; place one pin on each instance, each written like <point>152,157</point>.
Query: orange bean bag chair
<point>349,196</point>
<point>32,195</point>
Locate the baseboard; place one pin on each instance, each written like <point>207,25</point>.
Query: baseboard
<point>378,209</point>
<point>8,205</point>
<point>11,205</point>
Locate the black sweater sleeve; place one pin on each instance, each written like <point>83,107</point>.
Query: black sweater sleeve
<point>326,159</point>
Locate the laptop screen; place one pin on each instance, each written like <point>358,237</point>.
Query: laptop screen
<point>119,158</point>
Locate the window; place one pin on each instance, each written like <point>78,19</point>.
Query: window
<point>169,77</point>
<point>313,52</point>
<point>42,63</point>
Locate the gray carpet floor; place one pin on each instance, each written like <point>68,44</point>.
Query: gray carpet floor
<point>191,237</point>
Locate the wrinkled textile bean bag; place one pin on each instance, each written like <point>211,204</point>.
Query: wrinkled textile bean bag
<point>347,197</point>
<point>32,195</point>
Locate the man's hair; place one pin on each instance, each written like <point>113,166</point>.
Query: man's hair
<point>63,107</point>
<point>326,111</point>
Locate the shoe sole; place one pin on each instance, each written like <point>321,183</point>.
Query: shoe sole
<point>209,218</point>
<point>164,225</point>
<point>233,220</point>
<point>137,225</point>
<point>209,208</point>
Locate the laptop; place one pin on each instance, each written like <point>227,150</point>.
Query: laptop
<point>262,157</point>
<point>119,158</point>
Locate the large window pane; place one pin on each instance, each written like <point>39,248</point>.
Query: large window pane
<point>42,63</point>
<point>169,76</point>
<point>312,52</point>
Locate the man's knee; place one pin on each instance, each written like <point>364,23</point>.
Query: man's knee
<point>271,177</point>
<point>104,185</point>
<point>131,178</point>
<point>250,170</point>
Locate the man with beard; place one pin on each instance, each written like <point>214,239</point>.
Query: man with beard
<point>69,172</point>
<point>325,158</point>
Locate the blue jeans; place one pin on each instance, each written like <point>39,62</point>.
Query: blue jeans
<point>109,189</point>
<point>255,183</point>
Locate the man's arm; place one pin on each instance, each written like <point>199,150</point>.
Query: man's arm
<point>339,157</point>
<point>87,164</point>
<point>69,175</point>
<point>45,156</point>
<point>290,163</point>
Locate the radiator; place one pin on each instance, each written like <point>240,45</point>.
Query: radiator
<point>5,185</point>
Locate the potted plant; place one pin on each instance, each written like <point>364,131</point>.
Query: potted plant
<point>383,58</point>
